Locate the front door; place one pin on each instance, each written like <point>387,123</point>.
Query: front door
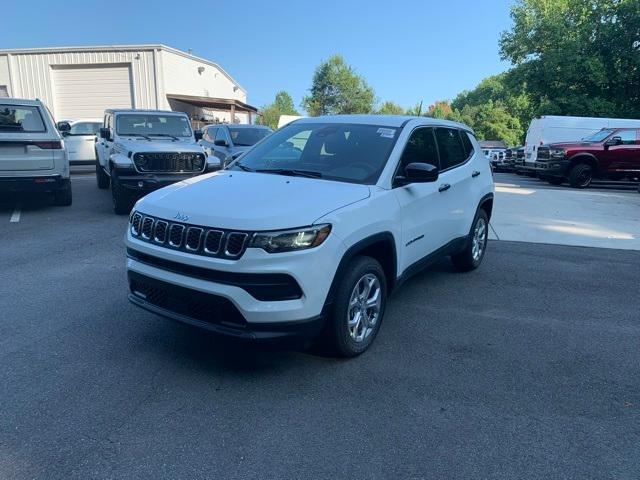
<point>81,142</point>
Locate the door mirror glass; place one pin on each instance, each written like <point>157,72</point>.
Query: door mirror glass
<point>198,135</point>
<point>105,133</point>
<point>613,141</point>
<point>419,172</point>
<point>64,128</point>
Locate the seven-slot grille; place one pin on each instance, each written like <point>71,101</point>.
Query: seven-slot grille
<point>169,162</point>
<point>543,153</point>
<point>189,238</point>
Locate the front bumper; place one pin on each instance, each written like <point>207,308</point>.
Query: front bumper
<point>552,167</point>
<point>43,183</point>
<point>261,316</point>
<point>143,183</point>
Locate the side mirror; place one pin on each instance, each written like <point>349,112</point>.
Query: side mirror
<point>105,133</point>
<point>613,141</point>
<point>64,128</point>
<point>198,135</point>
<point>221,143</point>
<point>419,172</point>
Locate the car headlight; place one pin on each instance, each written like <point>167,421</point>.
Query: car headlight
<point>557,153</point>
<point>290,240</point>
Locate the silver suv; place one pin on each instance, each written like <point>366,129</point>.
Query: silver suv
<point>32,152</point>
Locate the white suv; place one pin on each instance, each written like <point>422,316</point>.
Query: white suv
<point>32,153</point>
<point>309,231</point>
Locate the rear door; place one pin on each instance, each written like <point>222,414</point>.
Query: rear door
<point>81,141</point>
<point>25,142</point>
<point>626,157</point>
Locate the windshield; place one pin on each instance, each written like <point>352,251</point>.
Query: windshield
<point>335,151</point>
<point>246,137</point>
<point>599,136</point>
<point>20,118</point>
<point>153,124</point>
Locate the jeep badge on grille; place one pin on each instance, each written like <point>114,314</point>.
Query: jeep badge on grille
<point>181,217</point>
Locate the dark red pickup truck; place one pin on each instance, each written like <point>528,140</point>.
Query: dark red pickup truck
<point>612,153</point>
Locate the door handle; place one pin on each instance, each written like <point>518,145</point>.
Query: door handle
<point>444,187</point>
<point>475,174</point>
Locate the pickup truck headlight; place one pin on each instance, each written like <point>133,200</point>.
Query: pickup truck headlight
<point>290,240</point>
<point>557,153</point>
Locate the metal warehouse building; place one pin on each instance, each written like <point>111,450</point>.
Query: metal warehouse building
<point>81,82</point>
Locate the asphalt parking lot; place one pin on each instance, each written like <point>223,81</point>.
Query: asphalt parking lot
<point>525,368</point>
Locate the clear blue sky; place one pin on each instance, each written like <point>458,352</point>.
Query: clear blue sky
<point>408,50</point>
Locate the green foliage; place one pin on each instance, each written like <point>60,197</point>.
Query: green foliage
<point>440,109</point>
<point>337,89</point>
<point>282,105</point>
<point>390,108</point>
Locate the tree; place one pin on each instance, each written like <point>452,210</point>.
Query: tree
<point>440,109</point>
<point>336,89</point>
<point>577,57</point>
<point>390,108</point>
<point>282,105</point>
<point>491,121</point>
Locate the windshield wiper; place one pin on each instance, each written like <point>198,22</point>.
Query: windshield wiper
<point>164,135</point>
<point>242,167</point>
<point>291,172</point>
<point>146,137</point>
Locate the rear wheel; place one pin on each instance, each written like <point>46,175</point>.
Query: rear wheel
<point>471,256</point>
<point>581,176</point>
<point>358,308</point>
<point>63,197</point>
<point>101,177</point>
<point>122,200</point>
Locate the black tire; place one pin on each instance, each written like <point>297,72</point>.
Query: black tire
<point>101,177</point>
<point>122,200</point>
<point>518,172</point>
<point>555,180</point>
<point>337,336</point>
<point>581,175</point>
<point>469,258</point>
<point>63,197</point>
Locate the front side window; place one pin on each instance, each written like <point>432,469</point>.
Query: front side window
<point>247,137</point>
<point>85,128</point>
<point>210,134</point>
<point>628,136</point>
<point>421,147</point>
<point>452,152</point>
<point>145,124</point>
<point>21,119</point>
<point>220,135</point>
<point>352,153</point>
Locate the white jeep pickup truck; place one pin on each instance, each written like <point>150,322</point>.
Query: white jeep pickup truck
<point>309,232</point>
<point>142,150</point>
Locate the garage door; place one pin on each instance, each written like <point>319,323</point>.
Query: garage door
<point>86,92</point>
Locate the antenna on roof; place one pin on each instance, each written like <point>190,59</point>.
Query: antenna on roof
<point>190,52</point>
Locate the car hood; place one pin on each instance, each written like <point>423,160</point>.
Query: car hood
<point>142,145</point>
<point>568,144</point>
<point>250,201</point>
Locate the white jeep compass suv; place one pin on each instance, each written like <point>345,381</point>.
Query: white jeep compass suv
<point>309,232</point>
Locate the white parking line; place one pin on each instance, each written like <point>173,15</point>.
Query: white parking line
<point>15,217</point>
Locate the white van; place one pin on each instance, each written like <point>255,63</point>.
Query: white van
<point>551,129</point>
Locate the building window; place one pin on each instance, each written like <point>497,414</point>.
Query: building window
<point>4,91</point>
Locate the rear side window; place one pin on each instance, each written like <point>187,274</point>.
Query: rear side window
<point>421,147</point>
<point>21,119</point>
<point>466,143</point>
<point>452,152</point>
<point>628,136</point>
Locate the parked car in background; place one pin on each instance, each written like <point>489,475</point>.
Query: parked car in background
<point>550,129</point>
<point>32,153</point>
<point>279,245</point>
<point>518,163</point>
<point>509,160</point>
<point>142,150</point>
<point>228,142</point>
<point>612,153</point>
<point>80,140</point>
<point>497,161</point>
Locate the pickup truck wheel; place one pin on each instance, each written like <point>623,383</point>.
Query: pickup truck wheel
<point>101,177</point>
<point>471,256</point>
<point>122,200</point>
<point>358,308</point>
<point>63,197</point>
<point>581,176</point>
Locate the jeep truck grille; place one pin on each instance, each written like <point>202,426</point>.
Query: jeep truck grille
<point>169,162</point>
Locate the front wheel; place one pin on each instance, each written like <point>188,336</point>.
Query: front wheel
<point>122,200</point>
<point>358,308</point>
<point>581,176</point>
<point>101,177</point>
<point>471,256</point>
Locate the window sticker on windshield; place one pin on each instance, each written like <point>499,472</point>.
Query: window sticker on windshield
<point>387,132</point>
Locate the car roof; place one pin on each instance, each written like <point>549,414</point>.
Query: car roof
<point>19,101</point>
<point>135,110</point>
<point>382,120</point>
